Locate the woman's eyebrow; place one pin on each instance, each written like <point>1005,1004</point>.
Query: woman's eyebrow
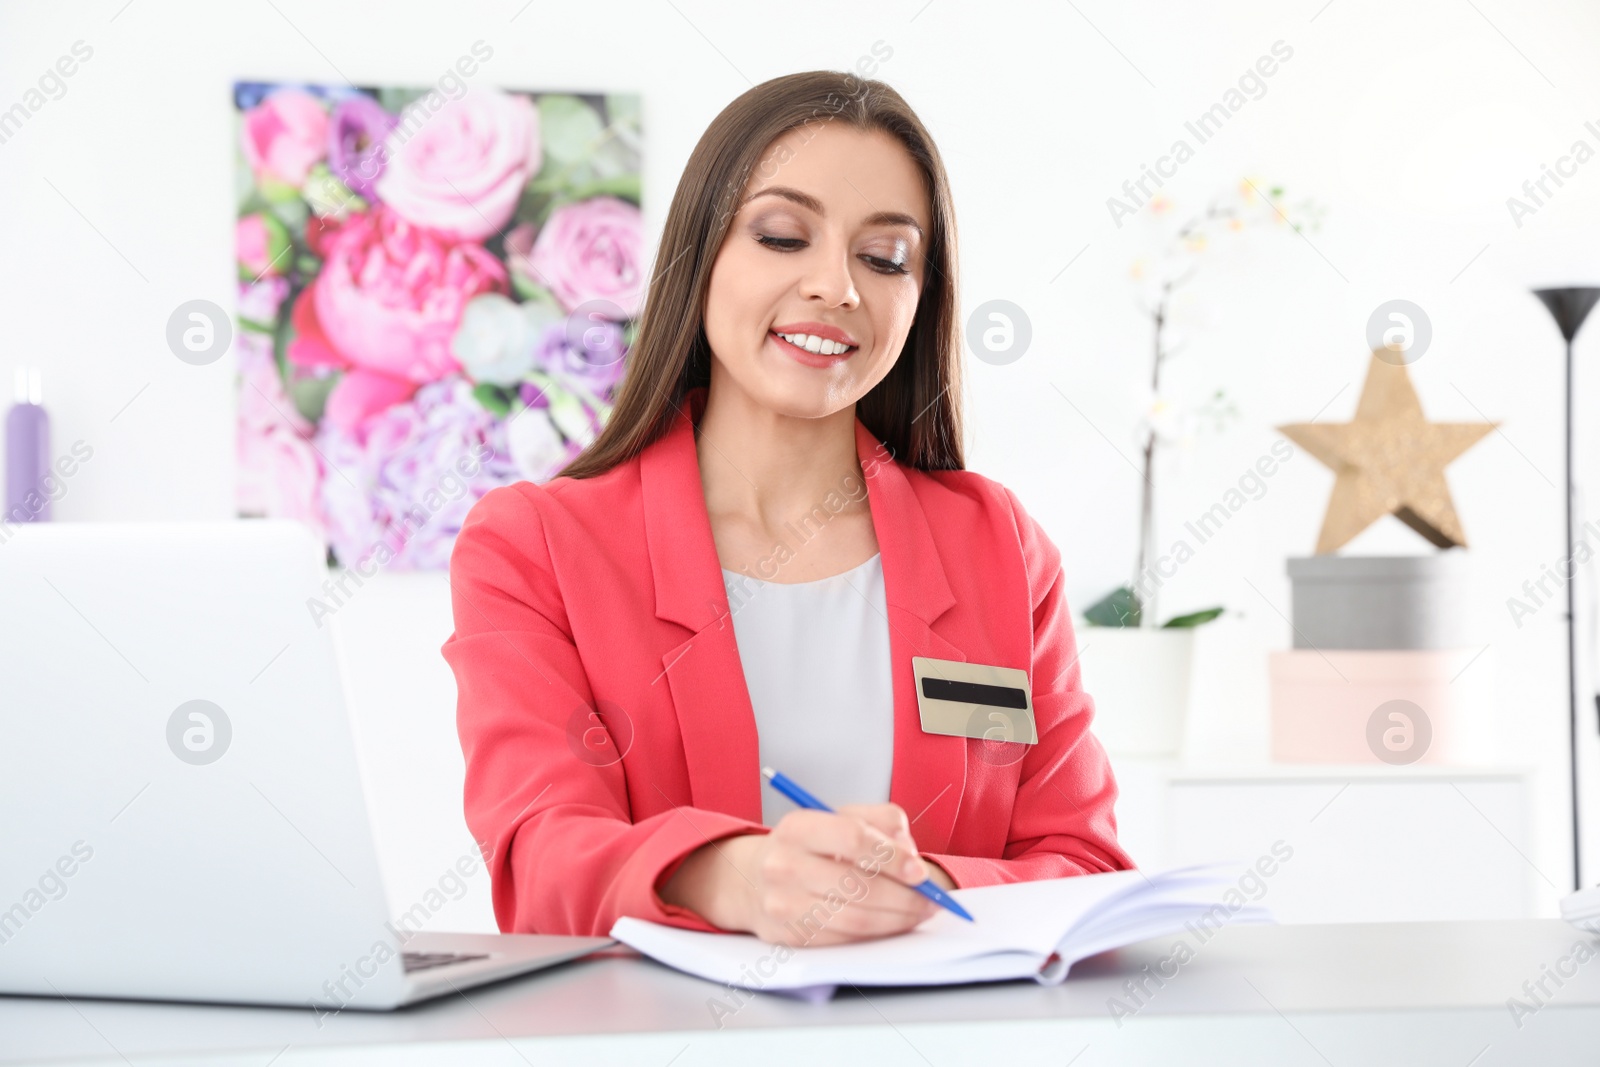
<point>811,203</point>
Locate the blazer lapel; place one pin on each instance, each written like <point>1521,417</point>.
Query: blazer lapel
<point>704,672</point>
<point>930,770</point>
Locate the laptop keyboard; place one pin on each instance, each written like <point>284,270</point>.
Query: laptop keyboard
<point>426,961</point>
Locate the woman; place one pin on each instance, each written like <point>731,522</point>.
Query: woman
<point>739,571</point>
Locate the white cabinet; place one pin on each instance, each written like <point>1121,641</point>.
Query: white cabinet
<point>1364,843</point>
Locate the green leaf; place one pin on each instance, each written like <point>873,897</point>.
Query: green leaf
<point>326,195</point>
<point>568,413</point>
<point>250,198</point>
<point>395,100</point>
<point>283,333</point>
<point>493,398</point>
<point>624,108</point>
<point>617,153</point>
<point>244,179</point>
<point>533,205</point>
<point>1192,619</point>
<point>1120,607</point>
<point>625,186</point>
<point>310,395</point>
<point>542,308</point>
<point>529,290</point>
<point>568,128</point>
<point>290,210</point>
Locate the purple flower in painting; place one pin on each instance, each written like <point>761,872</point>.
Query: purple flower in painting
<point>532,395</point>
<point>589,356</point>
<point>357,132</point>
<point>259,301</point>
<point>398,487</point>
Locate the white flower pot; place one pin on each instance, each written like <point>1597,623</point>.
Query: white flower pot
<point>1139,680</point>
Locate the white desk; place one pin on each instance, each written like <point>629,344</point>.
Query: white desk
<point>1340,994</point>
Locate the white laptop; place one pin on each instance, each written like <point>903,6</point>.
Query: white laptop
<point>182,810</point>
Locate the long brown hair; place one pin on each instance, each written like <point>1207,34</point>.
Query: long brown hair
<point>916,409</point>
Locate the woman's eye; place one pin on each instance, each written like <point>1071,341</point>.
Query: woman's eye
<point>791,244</point>
<point>888,266</point>
<point>782,244</point>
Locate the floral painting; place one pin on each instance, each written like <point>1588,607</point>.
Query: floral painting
<point>437,295</point>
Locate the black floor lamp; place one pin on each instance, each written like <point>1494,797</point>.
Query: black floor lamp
<point>1570,307</point>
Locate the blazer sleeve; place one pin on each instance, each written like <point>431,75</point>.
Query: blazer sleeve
<point>1062,823</point>
<point>565,855</point>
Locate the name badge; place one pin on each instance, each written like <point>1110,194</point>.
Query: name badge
<point>974,700</point>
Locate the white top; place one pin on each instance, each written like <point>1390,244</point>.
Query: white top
<point>816,661</point>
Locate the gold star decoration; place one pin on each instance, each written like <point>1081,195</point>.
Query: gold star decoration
<point>1389,461</point>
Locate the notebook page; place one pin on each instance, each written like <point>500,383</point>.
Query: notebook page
<point>1194,888</point>
<point>1017,926</point>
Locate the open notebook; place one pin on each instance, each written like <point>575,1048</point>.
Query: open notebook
<point>1020,930</point>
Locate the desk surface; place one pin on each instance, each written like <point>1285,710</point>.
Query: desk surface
<point>1412,993</point>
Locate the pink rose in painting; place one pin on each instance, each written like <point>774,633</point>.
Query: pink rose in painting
<point>384,310</point>
<point>263,245</point>
<point>591,250</point>
<point>407,482</point>
<point>284,135</point>
<point>459,170</point>
<point>279,474</point>
<point>320,230</point>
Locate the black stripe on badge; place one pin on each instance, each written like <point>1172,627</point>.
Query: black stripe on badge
<point>995,696</point>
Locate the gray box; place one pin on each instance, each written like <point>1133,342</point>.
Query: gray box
<point>1381,602</point>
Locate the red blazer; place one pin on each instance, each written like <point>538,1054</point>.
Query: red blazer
<point>609,590</point>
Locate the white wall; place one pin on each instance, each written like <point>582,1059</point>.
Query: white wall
<point>1411,123</point>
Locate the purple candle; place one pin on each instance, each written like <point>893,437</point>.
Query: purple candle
<point>27,452</point>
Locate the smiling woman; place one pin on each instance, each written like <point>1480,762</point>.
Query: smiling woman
<point>799,338</point>
<point>811,170</point>
<point>859,266</point>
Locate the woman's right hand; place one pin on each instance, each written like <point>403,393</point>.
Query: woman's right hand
<point>817,878</point>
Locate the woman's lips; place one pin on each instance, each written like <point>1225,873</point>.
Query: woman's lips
<point>810,359</point>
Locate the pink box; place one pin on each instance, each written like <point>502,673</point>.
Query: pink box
<point>1379,706</point>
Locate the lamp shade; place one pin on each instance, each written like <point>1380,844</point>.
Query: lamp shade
<point>1569,307</point>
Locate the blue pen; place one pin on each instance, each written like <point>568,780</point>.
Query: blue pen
<point>788,788</point>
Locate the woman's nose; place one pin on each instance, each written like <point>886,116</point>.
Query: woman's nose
<point>827,276</point>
